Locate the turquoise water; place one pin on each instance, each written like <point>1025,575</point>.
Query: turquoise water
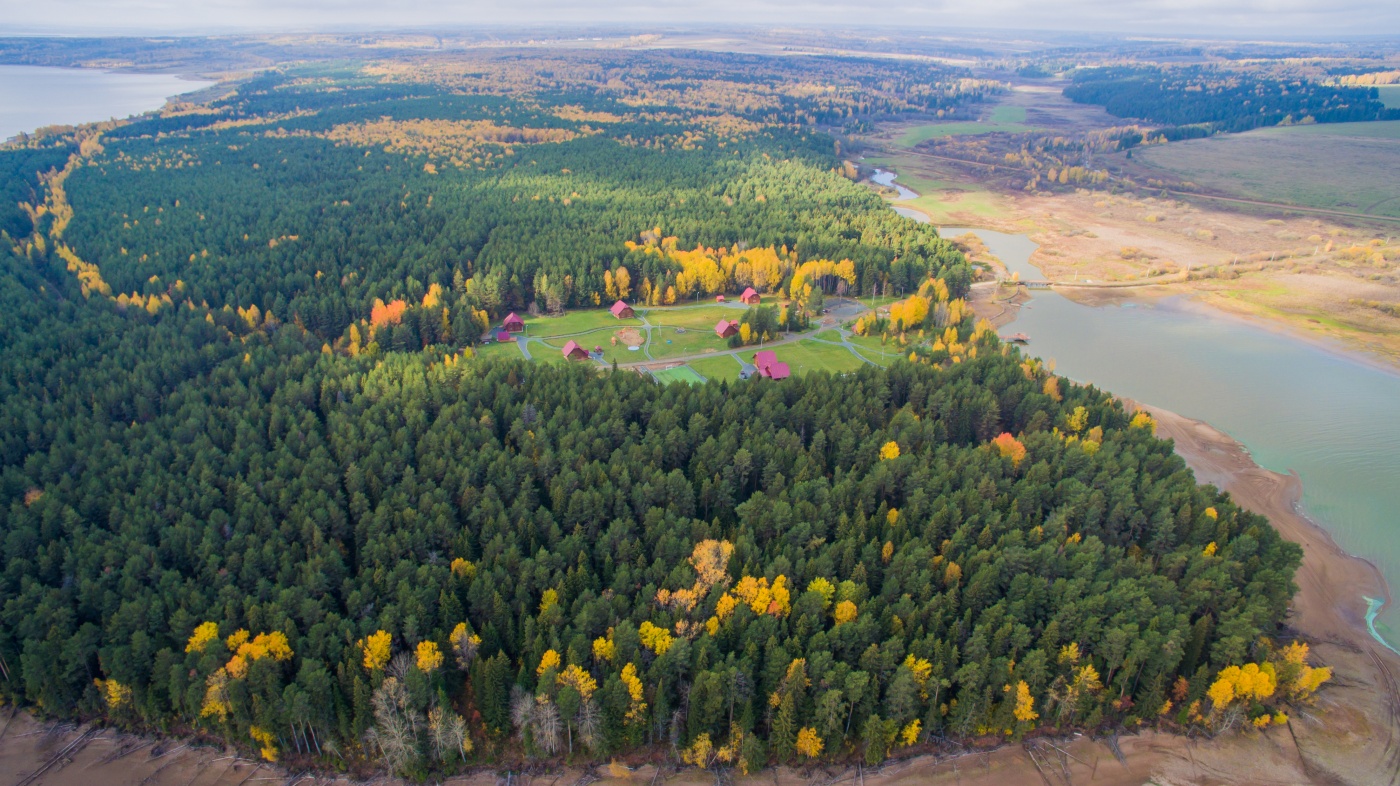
<point>1296,406</point>
<point>32,97</point>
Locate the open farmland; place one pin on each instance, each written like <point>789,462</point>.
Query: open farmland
<point>1354,167</point>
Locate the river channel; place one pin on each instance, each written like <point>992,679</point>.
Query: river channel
<point>1298,406</point>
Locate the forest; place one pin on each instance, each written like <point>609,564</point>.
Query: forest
<point>255,483</point>
<point>1222,100</point>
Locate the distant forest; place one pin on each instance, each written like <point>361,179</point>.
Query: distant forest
<point>254,482</point>
<point>1220,100</point>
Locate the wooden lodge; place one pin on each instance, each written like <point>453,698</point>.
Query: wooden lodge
<point>750,296</point>
<point>513,323</point>
<point>725,328</point>
<point>573,351</point>
<point>769,366</point>
<point>622,311</point>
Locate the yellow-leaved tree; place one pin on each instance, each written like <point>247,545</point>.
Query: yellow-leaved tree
<point>428,656</point>
<point>890,450</point>
<point>809,743</point>
<point>376,649</point>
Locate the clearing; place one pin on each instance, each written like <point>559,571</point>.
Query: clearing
<point>1353,167</point>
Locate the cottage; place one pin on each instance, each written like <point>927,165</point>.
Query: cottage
<point>622,311</point>
<point>769,366</point>
<point>502,336</point>
<point>573,351</point>
<point>719,298</point>
<point>513,323</point>
<point>750,296</point>
<point>725,328</point>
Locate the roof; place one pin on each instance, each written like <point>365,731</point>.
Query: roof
<point>512,318</point>
<point>764,359</point>
<point>619,307</point>
<point>572,347</point>
<point>501,335</point>
<point>724,325</point>
<point>748,293</point>
<point>776,371</point>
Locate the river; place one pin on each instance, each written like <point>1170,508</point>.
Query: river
<point>32,97</point>
<point>1294,404</point>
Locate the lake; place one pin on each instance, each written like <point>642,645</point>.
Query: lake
<point>32,97</point>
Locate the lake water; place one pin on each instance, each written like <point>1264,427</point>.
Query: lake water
<point>1295,405</point>
<point>32,97</point>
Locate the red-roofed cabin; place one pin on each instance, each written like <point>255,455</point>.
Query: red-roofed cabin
<point>776,371</point>
<point>622,310</point>
<point>513,323</point>
<point>750,296</point>
<point>764,359</point>
<point>725,328</point>
<point>503,337</point>
<point>719,298</point>
<point>573,351</point>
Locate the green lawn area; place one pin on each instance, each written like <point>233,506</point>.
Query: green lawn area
<point>1390,95</point>
<point>494,350</point>
<point>574,322</point>
<point>884,354</point>
<point>691,342</point>
<point>829,335</point>
<point>697,318</point>
<point>678,374</point>
<point>805,356</point>
<point>722,367</point>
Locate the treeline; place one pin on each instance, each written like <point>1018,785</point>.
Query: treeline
<point>1224,100</point>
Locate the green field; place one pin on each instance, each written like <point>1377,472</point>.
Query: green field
<point>596,338</point>
<point>492,349</point>
<point>694,317</point>
<point>717,368</point>
<point>691,342</point>
<point>805,356</point>
<point>1390,95</point>
<point>678,374</point>
<point>1354,167</point>
<point>1007,119</point>
<point>574,322</point>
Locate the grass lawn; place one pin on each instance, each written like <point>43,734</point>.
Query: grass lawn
<point>691,342</point>
<point>695,317</point>
<point>884,354</point>
<point>805,356</point>
<point>678,374</point>
<point>721,367</point>
<point>494,350</point>
<point>574,322</point>
<point>1337,166</point>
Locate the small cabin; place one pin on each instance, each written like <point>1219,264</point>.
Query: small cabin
<point>769,366</point>
<point>502,336</point>
<point>725,328</point>
<point>573,351</point>
<point>622,311</point>
<point>719,298</point>
<point>513,323</point>
<point>750,296</point>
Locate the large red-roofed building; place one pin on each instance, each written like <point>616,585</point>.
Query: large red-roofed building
<point>750,296</point>
<point>769,366</point>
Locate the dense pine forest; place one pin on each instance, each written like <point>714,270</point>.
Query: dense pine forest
<point>1219,99</point>
<point>256,484</point>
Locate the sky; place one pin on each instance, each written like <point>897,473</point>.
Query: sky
<point>1253,18</point>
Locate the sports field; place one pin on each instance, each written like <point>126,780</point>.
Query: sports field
<point>678,374</point>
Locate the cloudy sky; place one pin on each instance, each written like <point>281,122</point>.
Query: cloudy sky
<point>1252,18</point>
